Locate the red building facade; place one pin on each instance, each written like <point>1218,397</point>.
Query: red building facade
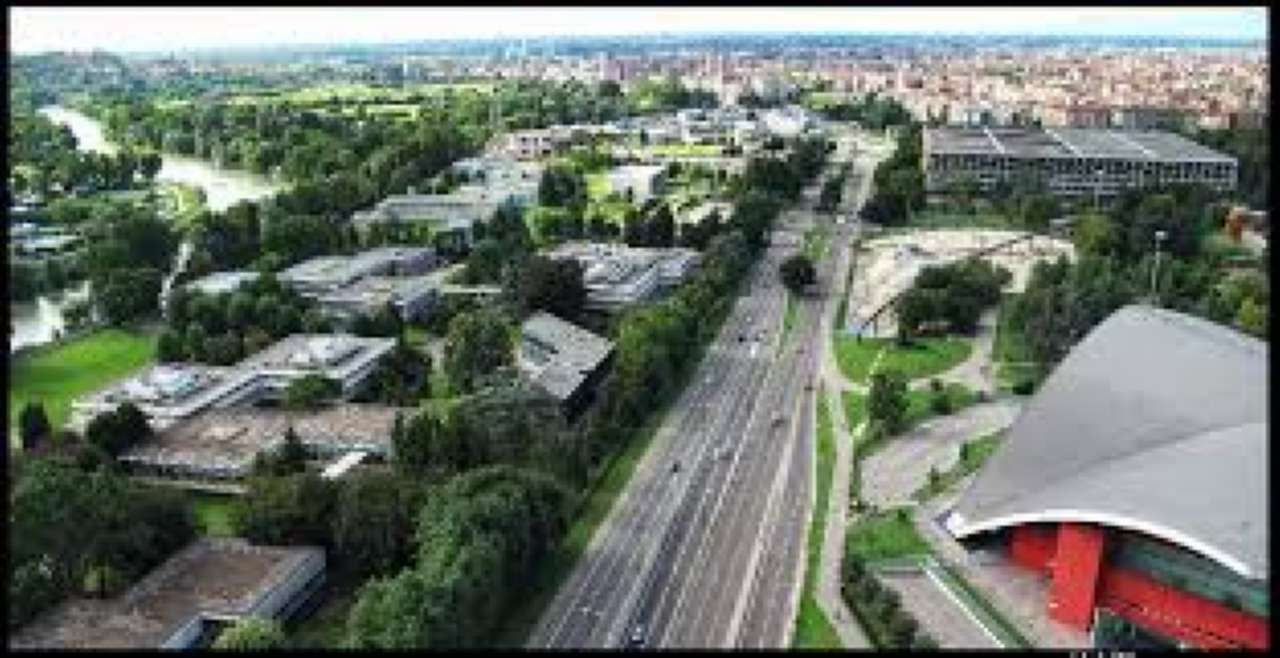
<point>1084,579</point>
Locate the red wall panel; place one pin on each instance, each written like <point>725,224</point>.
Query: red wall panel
<point>1193,619</point>
<point>1075,574</point>
<point>1033,546</point>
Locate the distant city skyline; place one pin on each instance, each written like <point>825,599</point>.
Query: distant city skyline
<point>154,29</point>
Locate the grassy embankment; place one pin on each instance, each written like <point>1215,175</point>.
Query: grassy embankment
<point>813,630</point>
<point>57,374</point>
<point>972,457</point>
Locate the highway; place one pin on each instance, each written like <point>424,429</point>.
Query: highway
<point>709,553</point>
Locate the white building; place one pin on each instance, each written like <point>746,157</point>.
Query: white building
<point>638,183</point>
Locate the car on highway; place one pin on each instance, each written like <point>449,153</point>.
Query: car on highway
<point>778,419</point>
<point>675,468</point>
<point>636,639</point>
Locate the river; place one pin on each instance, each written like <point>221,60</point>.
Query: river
<point>35,323</point>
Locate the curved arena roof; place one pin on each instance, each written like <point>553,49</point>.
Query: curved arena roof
<point>1156,422</point>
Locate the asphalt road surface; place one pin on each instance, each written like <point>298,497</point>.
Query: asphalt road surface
<point>704,546</point>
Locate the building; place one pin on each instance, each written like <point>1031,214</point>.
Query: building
<point>455,213</point>
<point>223,443</point>
<point>562,359</point>
<point>221,283</point>
<point>1145,117</point>
<point>182,603</point>
<point>1070,162</point>
<point>323,274</point>
<point>617,276</point>
<point>412,297</point>
<point>168,393</point>
<point>638,183</point>
<point>1136,483</point>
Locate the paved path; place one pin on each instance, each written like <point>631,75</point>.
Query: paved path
<point>939,612</point>
<point>901,466</point>
<point>978,371</point>
<point>1017,594</point>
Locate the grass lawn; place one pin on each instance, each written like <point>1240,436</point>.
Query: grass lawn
<point>213,514</point>
<point>326,627</point>
<point>925,357</point>
<point>56,375</point>
<point>918,402</point>
<point>813,629</point>
<point>946,219</point>
<point>597,186</point>
<point>788,318</point>
<point>855,409</point>
<point>1010,352</point>
<point>886,535</point>
<point>972,457</point>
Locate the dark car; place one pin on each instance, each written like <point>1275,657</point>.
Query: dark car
<point>636,639</point>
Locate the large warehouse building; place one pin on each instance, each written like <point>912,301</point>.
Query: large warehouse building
<point>1135,482</point>
<point>1070,161</point>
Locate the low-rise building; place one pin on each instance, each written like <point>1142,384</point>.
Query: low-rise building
<point>223,443</point>
<point>168,393</point>
<point>1071,162</point>
<point>563,359</point>
<point>211,582</point>
<point>617,276</point>
<point>638,183</point>
<point>324,274</point>
<point>411,296</point>
<point>221,283</point>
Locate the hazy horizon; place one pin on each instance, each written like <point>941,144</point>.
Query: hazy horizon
<point>153,30</point>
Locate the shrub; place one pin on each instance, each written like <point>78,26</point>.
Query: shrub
<point>1024,387</point>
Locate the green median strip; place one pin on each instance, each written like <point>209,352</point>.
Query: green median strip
<point>1006,633</point>
<point>813,630</point>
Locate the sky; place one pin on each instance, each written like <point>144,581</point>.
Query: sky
<point>140,29</point>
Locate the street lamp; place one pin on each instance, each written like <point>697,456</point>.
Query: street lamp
<point>1097,188</point>
<point>1155,267</point>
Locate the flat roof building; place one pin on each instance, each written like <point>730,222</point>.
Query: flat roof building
<point>223,443</point>
<point>168,393</point>
<point>326,273</point>
<point>561,358</point>
<point>638,182</point>
<point>211,579</point>
<point>410,296</point>
<point>616,275</point>
<point>221,283</point>
<point>1070,161</point>
<point>1136,482</point>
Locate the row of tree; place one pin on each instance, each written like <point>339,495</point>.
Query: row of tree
<point>74,531</point>
<point>880,608</point>
<point>898,182</point>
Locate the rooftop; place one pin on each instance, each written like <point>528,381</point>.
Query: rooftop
<point>1070,143</point>
<point>226,441</point>
<point>331,354</point>
<point>219,283</point>
<point>214,576</point>
<point>558,355</point>
<point>1155,422</point>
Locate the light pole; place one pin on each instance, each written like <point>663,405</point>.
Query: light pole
<point>1155,267</point>
<point>1097,189</point>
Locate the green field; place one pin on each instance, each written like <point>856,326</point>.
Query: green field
<point>930,218</point>
<point>855,409</point>
<point>213,514</point>
<point>886,535</point>
<point>56,375</point>
<point>924,357</point>
<point>349,92</point>
<point>815,242</point>
<point>1011,353</point>
<point>813,629</point>
<point>918,402</point>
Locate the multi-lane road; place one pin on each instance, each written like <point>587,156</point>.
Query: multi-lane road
<point>704,547</point>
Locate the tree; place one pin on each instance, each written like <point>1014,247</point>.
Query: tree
<point>251,634</point>
<point>117,430</point>
<point>33,425</point>
<point>551,285</point>
<point>310,392</point>
<point>291,510</point>
<point>169,346</point>
<point>478,343</point>
<point>373,522</point>
<point>887,402</point>
<point>797,273</point>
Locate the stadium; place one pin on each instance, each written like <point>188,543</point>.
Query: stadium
<point>1135,483</point>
